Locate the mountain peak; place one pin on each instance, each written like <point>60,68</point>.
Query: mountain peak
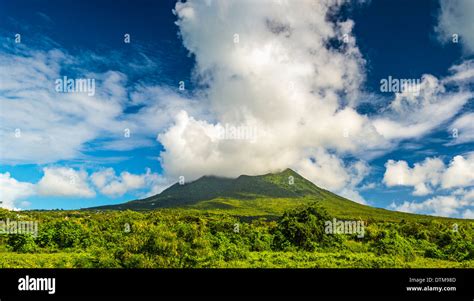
<point>289,171</point>
<point>262,195</point>
<point>283,184</point>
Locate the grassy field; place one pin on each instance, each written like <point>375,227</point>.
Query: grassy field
<point>254,260</point>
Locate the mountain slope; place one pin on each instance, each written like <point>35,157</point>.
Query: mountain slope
<point>264,195</point>
<point>286,184</point>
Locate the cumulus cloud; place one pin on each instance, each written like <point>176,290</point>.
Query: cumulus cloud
<point>456,204</point>
<point>110,184</point>
<point>439,206</point>
<point>431,174</point>
<point>423,176</point>
<point>457,17</point>
<point>460,172</point>
<point>63,181</point>
<point>330,172</point>
<point>11,191</point>
<point>452,183</point>
<point>268,66</point>
<point>156,183</point>
<point>68,182</point>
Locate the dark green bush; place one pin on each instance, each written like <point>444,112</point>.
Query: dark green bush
<point>391,243</point>
<point>22,243</point>
<point>305,229</point>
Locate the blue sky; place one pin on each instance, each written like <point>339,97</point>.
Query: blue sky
<point>317,108</point>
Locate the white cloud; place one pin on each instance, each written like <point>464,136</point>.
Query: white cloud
<point>368,186</point>
<point>63,181</point>
<point>463,128</point>
<point>460,172</point>
<point>445,205</point>
<point>431,174</point>
<point>440,206</point>
<point>68,182</point>
<point>157,183</point>
<point>11,191</point>
<point>280,78</point>
<point>330,172</point>
<point>423,176</point>
<point>62,122</point>
<point>412,115</point>
<point>110,184</point>
<point>468,213</point>
<point>67,124</point>
<point>462,73</point>
<point>283,79</point>
<point>457,17</point>
<point>56,181</point>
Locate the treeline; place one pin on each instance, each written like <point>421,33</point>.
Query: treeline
<point>186,239</point>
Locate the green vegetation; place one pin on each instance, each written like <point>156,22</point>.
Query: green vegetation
<point>190,238</point>
<point>271,221</point>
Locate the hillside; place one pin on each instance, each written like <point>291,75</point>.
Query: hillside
<point>265,195</point>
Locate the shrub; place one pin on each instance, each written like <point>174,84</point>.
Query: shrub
<point>67,234</point>
<point>304,228</point>
<point>22,243</point>
<point>390,242</point>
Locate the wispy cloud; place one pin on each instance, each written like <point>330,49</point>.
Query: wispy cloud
<point>456,17</point>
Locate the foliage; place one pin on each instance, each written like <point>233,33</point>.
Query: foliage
<point>190,238</point>
<point>304,228</point>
